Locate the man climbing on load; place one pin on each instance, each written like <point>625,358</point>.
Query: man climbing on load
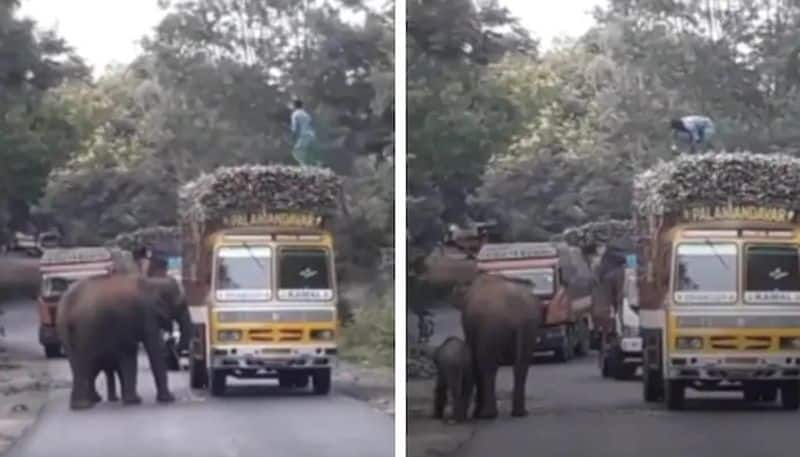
<point>305,150</point>
<point>694,129</point>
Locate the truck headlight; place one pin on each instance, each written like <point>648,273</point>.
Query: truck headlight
<point>689,342</point>
<point>325,335</point>
<point>790,342</point>
<point>229,335</point>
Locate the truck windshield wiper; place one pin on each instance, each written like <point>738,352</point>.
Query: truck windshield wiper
<point>253,256</point>
<point>719,257</point>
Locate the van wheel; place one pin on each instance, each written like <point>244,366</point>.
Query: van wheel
<point>198,375</point>
<point>322,382</point>
<point>217,380</point>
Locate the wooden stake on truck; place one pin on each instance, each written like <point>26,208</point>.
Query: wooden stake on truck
<point>258,272</point>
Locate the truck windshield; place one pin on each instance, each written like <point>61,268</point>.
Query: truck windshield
<point>773,274</point>
<point>304,274</point>
<point>706,273</point>
<point>243,273</point>
<point>543,279</point>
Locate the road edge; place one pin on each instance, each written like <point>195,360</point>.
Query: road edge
<point>368,384</point>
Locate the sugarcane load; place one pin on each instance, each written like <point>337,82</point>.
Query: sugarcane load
<point>258,270</point>
<point>718,244</point>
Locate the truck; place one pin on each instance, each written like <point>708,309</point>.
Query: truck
<point>567,321</point>
<point>259,276</point>
<point>719,277</point>
<point>620,354</point>
<point>59,269</point>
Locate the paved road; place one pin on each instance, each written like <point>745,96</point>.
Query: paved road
<point>574,412</point>
<point>253,421</point>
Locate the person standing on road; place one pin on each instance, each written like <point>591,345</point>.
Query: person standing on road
<point>694,130</point>
<point>305,150</point>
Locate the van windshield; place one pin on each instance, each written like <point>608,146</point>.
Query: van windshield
<point>773,274</point>
<point>706,273</point>
<point>243,273</point>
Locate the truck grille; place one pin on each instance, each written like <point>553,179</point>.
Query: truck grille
<point>276,335</point>
<point>745,343</point>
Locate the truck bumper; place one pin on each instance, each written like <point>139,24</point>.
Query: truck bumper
<point>737,368</point>
<point>259,361</point>
<point>48,335</point>
<point>550,339</point>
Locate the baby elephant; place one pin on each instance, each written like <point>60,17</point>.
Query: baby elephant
<point>454,378</point>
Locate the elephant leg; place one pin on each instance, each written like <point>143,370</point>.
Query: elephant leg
<point>93,395</point>
<point>439,397</point>
<point>82,378</point>
<point>111,384</point>
<point>128,369</point>
<point>521,358</point>
<point>476,374</point>
<point>457,395</point>
<point>156,352</point>
<point>487,368</point>
<point>466,392</point>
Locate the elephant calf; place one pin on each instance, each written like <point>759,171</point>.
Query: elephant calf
<point>454,378</point>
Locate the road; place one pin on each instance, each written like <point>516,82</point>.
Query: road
<point>252,421</point>
<point>574,412</point>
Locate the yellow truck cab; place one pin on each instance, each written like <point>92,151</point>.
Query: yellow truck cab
<point>262,293</point>
<point>719,298</point>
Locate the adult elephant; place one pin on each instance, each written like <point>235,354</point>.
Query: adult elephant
<point>102,320</point>
<point>499,316</point>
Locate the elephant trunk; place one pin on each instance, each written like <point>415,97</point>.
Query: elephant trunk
<point>185,324</point>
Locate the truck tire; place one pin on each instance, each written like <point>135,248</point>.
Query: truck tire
<point>564,353</point>
<point>605,369</point>
<point>322,382</point>
<point>52,351</point>
<point>625,372</point>
<point>173,361</point>
<point>674,394</point>
<point>769,394</point>
<point>653,385</point>
<point>198,374</point>
<point>216,383</point>
<point>790,395</point>
<point>293,380</point>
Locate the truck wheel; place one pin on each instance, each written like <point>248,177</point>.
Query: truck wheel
<point>322,382</point>
<point>652,384</point>
<point>52,351</point>
<point>674,393</point>
<point>198,374</point>
<point>564,353</point>
<point>752,394</point>
<point>769,394</point>
<point>217,380</point>
<point>790,395</point>
<point>173,361</point>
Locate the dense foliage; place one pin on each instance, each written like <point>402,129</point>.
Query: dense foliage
<point>212,87</point>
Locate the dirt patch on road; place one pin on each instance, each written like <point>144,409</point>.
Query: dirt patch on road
<point>428,437</point>
<point>371,384</point>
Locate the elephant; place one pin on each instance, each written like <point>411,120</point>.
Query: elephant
<point>500,315</point>
<point>102,320</point>
<point>454,378</point>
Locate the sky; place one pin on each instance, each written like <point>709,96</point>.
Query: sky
<point>101,31</point>
<point>552,19</point>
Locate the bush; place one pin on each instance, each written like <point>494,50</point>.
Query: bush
<point>369,336</point>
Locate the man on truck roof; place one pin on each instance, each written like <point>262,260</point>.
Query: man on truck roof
<point>303,135</point>
<point>694,129</point>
